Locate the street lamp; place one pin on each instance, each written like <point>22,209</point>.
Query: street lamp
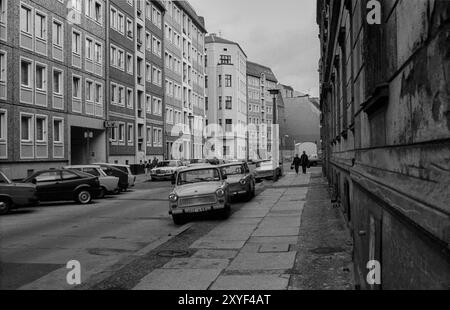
<point>275,145</point>
<point>191,125</point>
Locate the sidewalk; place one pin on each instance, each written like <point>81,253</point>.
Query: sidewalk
<point>273,243</point>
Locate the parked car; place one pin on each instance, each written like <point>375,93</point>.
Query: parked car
<point>15,195</point>
<point>241,181</point>
<point>199,190</point>
<point>166,169</point>
<point>65,184</point>
<point>265,170</point>
<point>124,168</point>
<point>114,172</point>
<point>108,184</point>
<point>198,162</point>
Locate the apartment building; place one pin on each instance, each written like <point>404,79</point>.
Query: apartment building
<point>260,79</point>
<point>386,132</point>
<point>135,84</point>
<point>52,84</point>
<point>184,36</point>
<point>226,89</point>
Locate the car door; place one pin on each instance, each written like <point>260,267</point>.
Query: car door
<point>70,181</point>
<point>48,185</point>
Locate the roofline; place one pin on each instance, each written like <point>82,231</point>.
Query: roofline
<point>189,10</point>
<point>265,67</point>
<point>229,43</point>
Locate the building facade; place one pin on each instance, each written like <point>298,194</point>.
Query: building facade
<point>135,81</point>
<point>52,84</point>
<point>184,80</point>
<point>260,79</point>
<point>386,135</point>
<point>226,92</point>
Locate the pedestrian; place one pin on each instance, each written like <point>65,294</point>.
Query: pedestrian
<point>296,163</point>
<point>154,162</point>
<point>304,160</point>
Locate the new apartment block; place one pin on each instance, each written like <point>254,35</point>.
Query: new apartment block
<point>135,84</point>
<point>260,79</point>
<point>184,53</point>
<point>52,84</point>
<point>226,88</point>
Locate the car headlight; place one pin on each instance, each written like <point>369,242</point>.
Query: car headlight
<point>243,182</point>
<point>220,192</point>
<point>173,198</point>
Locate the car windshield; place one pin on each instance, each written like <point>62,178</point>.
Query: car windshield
<point>4,179</point>
<point>167,164</point>
<point>197,176</point>
<point>234,170</point>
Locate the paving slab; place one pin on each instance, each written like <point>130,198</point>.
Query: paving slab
<point>263,261</point>
<point>178,279</point>
<point>225,254</point>
<point>273,231</point>
<point>280,221</point>
<point>274,248</point>
<point>217,244</point>
<point>196,263</point>
<point>251,282</point>
<point>285,239</point>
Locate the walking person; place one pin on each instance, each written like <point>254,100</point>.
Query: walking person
<point>296,163</point>
<point>154,162</point>
<point>304,160</point>
<point>147,168</point>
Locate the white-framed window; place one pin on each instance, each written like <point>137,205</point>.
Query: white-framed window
<point>157,136</point>
<point>129,28</point>
<point>26,76</point>
<point>157,76</point>
<point>26,19</point>
<point>76,87</point>
<point>41,77</point>
<point>121,95</point>
<point>76,42</point>
<point>41,129</point>
<point>40,25</point>
<point>120,23</point>
<point>58,83</point>
<point>130,134</point>
<point>89,91</point>
<point>113,93</point>
<point>89,48</point>
<point>148,10</point>
<point>156,18</point>
<point>148,41</point>
<point>113,18</point>
<point>157,106</point>
<point>26,127</point>
<point>98,93</point>
<point>3,126</point>
<point>3,68</point>
<point>148,104</point>
<point>76,5</point>
<point>129,63</point>
<point>3,11</point>
<point>121,132</point>
<point>121,59</point>
<point>58,130</point>
<point>113,55</point>
<point>98,52</point>
<point>156,46</point>
<point>58,33</point>
<point>130,98</point>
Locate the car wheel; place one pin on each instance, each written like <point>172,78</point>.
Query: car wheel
<point>101,193</point>
<point>178,219</point>
<point>5,205</point>
<point>84,196</point>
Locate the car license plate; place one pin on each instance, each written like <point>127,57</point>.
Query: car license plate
<point>197,210</point>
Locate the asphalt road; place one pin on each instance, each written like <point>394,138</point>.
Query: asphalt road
<point>36,244</point>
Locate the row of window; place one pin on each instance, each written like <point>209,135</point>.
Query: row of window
<point>173,116</point>
<point>173,89</point>
<point>227,80</point>
<point>153,74</point>
<point>172,62</point>
<point>228,103</point>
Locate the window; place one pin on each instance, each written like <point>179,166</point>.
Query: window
<point>40,26</point>
<point>228,125</point>
<point>2,66</point>
<point>58,131</point>
<point>98,53</point>
<point>113,93</point>
<point>227,80</point>
<point>76,90</point>
<point>206,81</point>
<point>130,63</point>
<point>89,90</point>
<point>41,77</point>
<point>113,56</point>
<point>225,59</point>
<point>120,23</point>
<point>130,133</point>
<point>3,126</point>
<point>26,129</point>
<point>157,106</point>
<point>25,72</point>
<point>3,11</point>
<point>76,43</point>
<point>121,132</point>
<point>129,28</point>
<point>220,81</point>
<point>89,48</point>
<point>76,5</point>
<point>121,96</point>
<point>57,33</point>
<point>98,94</point>
<point>130,103</point>
<point>149,136</point>
<point>113,17</point>
<point>156,46</point>
<point>41,128</point>
<point>25,19</point>
<point>120,59</point>
<point>98,12</point>
<point>220,102</point>
<point>156,18</point>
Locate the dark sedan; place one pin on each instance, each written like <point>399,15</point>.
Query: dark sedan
<point>241,181</point>
<point>64,184</point>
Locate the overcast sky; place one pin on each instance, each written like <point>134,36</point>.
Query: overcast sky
<point>279,34</point>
